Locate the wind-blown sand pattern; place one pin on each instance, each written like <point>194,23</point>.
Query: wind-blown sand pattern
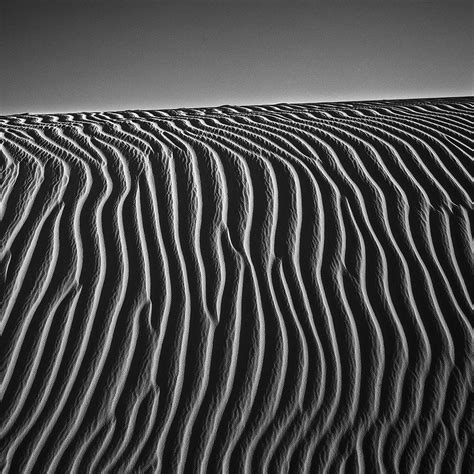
<point>280,288</point>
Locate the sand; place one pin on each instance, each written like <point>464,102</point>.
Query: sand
<point>279,288</point>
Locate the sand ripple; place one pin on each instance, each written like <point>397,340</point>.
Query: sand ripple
<point>281,288</point>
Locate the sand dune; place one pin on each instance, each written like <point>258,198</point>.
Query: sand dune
<point>281,288</point>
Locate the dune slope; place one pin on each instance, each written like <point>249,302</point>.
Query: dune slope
<point>281,288</point>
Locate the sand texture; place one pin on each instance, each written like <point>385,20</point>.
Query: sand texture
<point>276,289</point>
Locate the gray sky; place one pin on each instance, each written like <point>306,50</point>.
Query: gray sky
<point>81,56</point>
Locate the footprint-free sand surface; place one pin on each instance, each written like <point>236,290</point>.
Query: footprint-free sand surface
<point>279,288</point>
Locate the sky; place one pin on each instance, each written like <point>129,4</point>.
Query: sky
<point>84,55</point>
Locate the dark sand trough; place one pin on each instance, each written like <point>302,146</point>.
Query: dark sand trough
<point>280,288</point>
